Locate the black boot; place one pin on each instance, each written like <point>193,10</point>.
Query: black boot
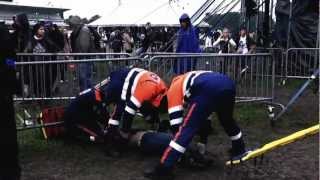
<point>238,150</point>
<point>238,147</point>
<point>159,173</point>
<point>195,160</point>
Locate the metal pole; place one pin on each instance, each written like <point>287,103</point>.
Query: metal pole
<point>266,20</point>
<point>53,124</point>
<point>271,15</point>
<point>318,34</point>
<point>257,23</point>
<point>289,26</point>
<point>243,12</point>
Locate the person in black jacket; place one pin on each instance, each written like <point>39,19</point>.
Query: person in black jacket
<point>42,80</point>
<point>22,32</point>
<point>9,165</point>
<point>147,40</point>
<point>56,36</point>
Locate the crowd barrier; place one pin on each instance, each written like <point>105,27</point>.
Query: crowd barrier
<point>301,63</point>
<point>51,79</point>
<point>253,74</point>
<point>41,75</point>
<point>51,83</point>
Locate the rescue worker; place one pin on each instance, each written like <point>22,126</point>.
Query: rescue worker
<point>87,116</point>
<point>203,92</point>
<point>129,90</point>
<point>132,90</point>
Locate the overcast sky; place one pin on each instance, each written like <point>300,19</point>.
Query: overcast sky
<point>88,8</point>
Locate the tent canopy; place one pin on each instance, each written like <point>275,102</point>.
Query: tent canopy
<point>139,12</point>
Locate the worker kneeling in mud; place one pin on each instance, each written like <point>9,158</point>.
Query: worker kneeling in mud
<point>87,116</point>
<point>130,90</point>
<point>203,92</point>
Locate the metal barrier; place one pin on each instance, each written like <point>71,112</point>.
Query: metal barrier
<point>59,79</point>
<point>301,62</point>
<point>254,73</point>
<point>149,55</point>
<point>279,56</point>
<point>30,73</point>
<point>44,86</point>
<point>27,57</point>
<point>53,79</point>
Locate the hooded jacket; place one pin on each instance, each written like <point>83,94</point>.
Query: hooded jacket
<point>187,42</point>
<point>188,39</point>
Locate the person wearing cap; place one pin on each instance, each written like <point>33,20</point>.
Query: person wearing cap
<point>203,92</point>
<point>187,42</point>
<point>81,42</point>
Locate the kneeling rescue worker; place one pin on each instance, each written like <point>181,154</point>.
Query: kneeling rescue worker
<point>203,92</point>
<point>130,90</point>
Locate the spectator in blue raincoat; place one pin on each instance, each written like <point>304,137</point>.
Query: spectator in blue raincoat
<point>187,42</point>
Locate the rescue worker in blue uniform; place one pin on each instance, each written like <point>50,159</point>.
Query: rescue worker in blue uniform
<point>86,116</point>
<point>203,92</point>
<point>129,90</point>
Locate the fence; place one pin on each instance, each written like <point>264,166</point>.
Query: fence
<point>56,78</point>
<point>41,74</point>
<point>55,82</point>
<point>301,63</point>
<point>27,57</point>
<point>254,74</point>
<point>279,57</point>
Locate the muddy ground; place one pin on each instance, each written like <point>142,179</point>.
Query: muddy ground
<point>56,160</point>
